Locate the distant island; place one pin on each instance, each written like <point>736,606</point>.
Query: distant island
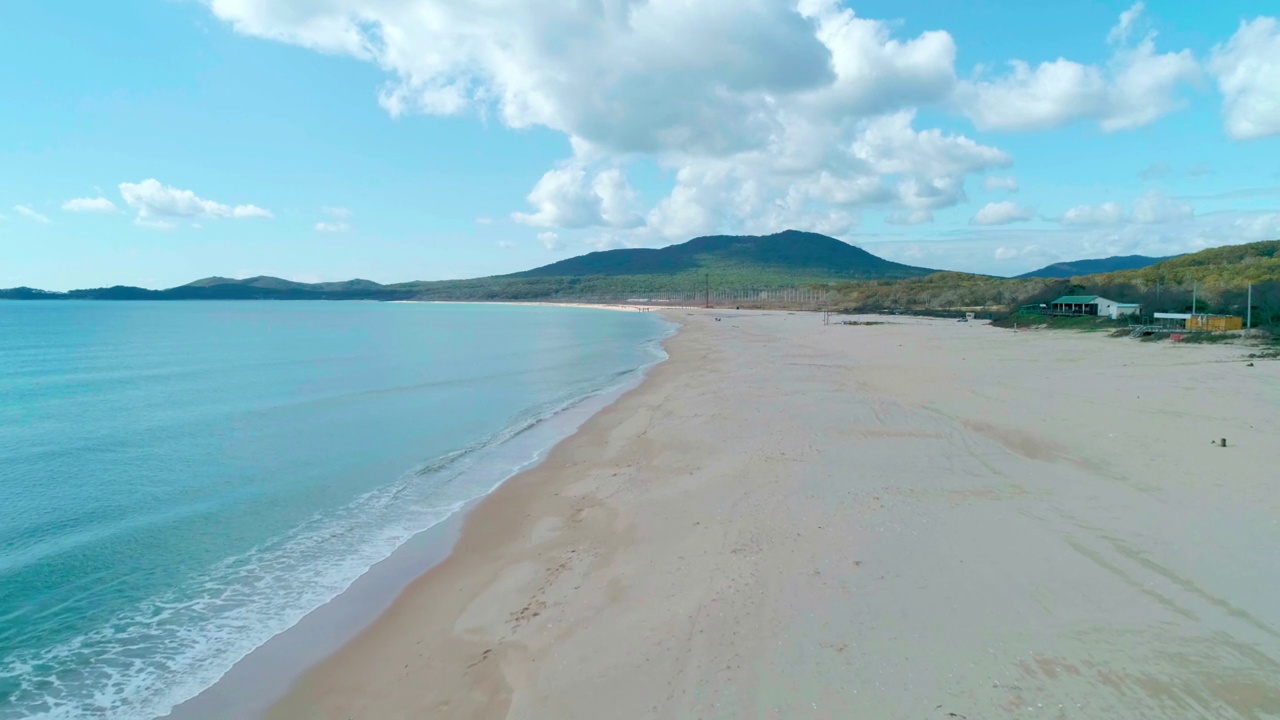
<point>770,270</point>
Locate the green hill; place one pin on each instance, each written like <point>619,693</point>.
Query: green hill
<point>1223,267</point>
<point>1076,268</point>
<point>789,255</point>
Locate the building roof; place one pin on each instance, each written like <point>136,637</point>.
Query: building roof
<point>1075,300</point>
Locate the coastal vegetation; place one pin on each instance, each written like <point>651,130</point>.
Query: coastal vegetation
<point>789,269</point>
<point>1213,281</point>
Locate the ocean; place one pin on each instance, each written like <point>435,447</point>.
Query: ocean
<point>181,481</point>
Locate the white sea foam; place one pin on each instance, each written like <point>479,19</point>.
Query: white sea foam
<point>174,646</point>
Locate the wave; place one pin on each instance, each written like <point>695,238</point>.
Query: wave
<point>172,647</point>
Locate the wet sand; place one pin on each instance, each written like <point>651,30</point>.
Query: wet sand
<point>922,519</point>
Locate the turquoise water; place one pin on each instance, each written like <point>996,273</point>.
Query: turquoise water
<point>182,481</point>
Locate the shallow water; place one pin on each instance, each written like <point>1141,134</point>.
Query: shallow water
<point>182,481</point>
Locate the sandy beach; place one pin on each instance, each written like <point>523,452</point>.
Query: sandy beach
<point>589,306</point>
<point>919,519</point>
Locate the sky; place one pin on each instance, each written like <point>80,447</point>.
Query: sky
<point>154,142</point>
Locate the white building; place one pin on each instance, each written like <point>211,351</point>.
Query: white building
<point>1092,305</point>
<point>1116,310</point>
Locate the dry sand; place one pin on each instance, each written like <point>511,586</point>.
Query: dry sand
<point>593,306</point>
<point>923,519</point>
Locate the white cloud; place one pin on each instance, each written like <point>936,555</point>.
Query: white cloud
<point>873,71</point>
<point>1108,213</point>
<point>1054,93</point>
<point>155,202</point>
<point>884,163</point>
<point>1154,207</point>
<point>338,222</point>
<point>550,240</point>
<point>1002,213</point>
<point>1151,208</point>
<point>1135,87</point>
<point>1144,85</point>
<point>888,144</point>
<point>90,205</point>
<point>1006,253</point>
<point>505,245</point>
<point>768,114</point>
<point>564,199</point>
<point>1254,227</point>
<point>913,217</point>
<point>616,199</point>
<point>993,183</point>
<point>631,76</point>
<point>695,206</point>
<point>27,212</point>
<point>765,112</point>
<point>1120,33</point>
<point>1247,68</point>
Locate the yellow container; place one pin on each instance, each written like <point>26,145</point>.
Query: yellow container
<point>1215,323</point>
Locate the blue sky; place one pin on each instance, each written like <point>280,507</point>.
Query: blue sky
<point>152,142</point>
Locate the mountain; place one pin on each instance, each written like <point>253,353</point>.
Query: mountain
<point>738,263</point>
<point>267,282</point>
<point>1076,268</point>
<point>790,254</point>
<point>744,266</point>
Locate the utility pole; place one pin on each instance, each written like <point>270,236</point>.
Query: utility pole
<point>1195,286</point>
<point>1157,292</point>
<point>1249,311</point>
<point>708,278</point>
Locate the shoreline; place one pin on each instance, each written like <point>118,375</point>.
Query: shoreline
<point>478,515</point>
<point>787,519</point>
<point>263,677</point>
<point>616,307</point>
